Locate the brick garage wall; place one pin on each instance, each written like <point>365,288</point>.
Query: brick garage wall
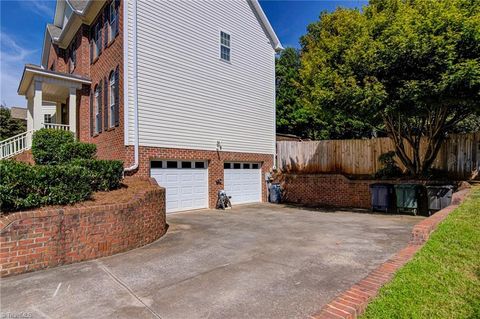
<point>215,164</point>
<point>45,238</point>
<point>326,190</point>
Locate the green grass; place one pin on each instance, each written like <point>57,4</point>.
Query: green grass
<point>443,279</point>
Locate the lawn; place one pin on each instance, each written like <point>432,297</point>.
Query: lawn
<point>443,279</point>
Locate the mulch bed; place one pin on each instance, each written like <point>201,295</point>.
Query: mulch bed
<point>124,194</point>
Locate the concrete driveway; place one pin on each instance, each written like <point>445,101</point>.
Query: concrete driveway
<point>255,261</point>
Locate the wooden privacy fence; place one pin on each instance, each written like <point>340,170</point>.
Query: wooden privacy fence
<point>459,155</point>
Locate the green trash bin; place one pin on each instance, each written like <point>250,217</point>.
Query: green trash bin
<point>410,198</point>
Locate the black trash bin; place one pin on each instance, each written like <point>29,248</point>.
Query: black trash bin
<point>411,198</point>
<point>275,193</point>
<point>439,197</point>
<point>383,196</point>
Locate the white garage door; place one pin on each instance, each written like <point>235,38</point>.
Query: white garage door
<point>243,182</point>
<point>186,183</point>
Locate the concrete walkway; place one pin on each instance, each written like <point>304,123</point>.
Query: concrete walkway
<point>255,261</point>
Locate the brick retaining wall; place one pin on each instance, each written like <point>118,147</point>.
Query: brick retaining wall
<point>326,190</point>
<point>45,237</point>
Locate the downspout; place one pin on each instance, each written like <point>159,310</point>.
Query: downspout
<point>135,82</point>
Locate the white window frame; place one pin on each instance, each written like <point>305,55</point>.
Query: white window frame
<point>47,118</point>
<point>96,40</point>
<point>227,45</point>
<point>73,58</point>
<point>111,96</point>
<point>96,105</point>
<point>112,20</point>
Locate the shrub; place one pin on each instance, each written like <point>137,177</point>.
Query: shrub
<point>23,186</point>
<point>106,174</point>
<point>389,166</point>
<point>77,150</point>
<point>63,184</point>
<point>17,186</point>
<point>46,145</point>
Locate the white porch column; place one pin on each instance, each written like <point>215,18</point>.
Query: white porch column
<point>58,113</point>
<point>37,106</point>
<point>72,110</point>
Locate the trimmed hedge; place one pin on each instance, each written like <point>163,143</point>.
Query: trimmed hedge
<point>77,150</point>
<point>24,186</point>
<point>17,187</point>
<point>47,143</point>
<point>106,174</point>
<point>63,184</point>
<point>66,172</point>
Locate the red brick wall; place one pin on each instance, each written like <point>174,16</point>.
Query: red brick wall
<point>215,164</point>
<point>110,142</point>
<point>45,238</point>
<point>26,157</point>
<point>57,59</point>
<point>326,190</point>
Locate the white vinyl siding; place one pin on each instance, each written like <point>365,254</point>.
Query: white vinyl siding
<point>187,96</point>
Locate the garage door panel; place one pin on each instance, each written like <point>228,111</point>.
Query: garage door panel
<point>243,185</point>
<point>185,188</point>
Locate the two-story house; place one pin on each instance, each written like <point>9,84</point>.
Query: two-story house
<point>183,91</point>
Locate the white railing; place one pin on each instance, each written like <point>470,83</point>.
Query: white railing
<point>15,144</point>
<point>62,127</point>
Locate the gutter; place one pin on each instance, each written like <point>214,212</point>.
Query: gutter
<point>135,81</point>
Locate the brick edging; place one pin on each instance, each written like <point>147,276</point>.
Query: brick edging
<point>352,303</point>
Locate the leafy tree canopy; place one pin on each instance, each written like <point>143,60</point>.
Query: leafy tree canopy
<point>410,68</point>
<point>292,116</point>
<point>8,126</point>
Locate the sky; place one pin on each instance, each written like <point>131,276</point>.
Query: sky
<point>22,28</point>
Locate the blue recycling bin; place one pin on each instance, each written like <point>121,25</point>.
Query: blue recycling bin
<point>275,194</point>
<point>383,197</point>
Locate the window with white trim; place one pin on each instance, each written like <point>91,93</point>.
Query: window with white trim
<point>47,118</point>
<point>112,21</point>
<point>96,105</point>
<point>224,46</point>
<point>111,96</point>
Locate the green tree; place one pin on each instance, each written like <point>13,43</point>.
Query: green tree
<point>409,67</point>
<point>292,116</point>
<point>8,126</point>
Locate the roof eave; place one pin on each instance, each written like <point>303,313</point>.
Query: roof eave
<point>277,46</point>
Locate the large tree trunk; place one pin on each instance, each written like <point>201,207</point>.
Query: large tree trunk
<point>402,134</point>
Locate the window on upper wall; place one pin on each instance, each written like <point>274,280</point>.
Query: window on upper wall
<point>47,118</point>
<point>224,46</point>
<point>111,94</point>
<point>96,41</point>
<point>113,20</point>
<point>73,58</point>
<point>97,105</point>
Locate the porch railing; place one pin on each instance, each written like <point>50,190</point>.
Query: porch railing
<point>23,141</point>
<point>15,144</point>
<point>62,127</point>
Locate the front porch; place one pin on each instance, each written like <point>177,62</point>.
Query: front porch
<point>45,89</point>
<point>42,87</point>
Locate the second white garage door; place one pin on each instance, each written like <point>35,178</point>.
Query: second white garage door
<point>243,182</point>
<point>185,182</point>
